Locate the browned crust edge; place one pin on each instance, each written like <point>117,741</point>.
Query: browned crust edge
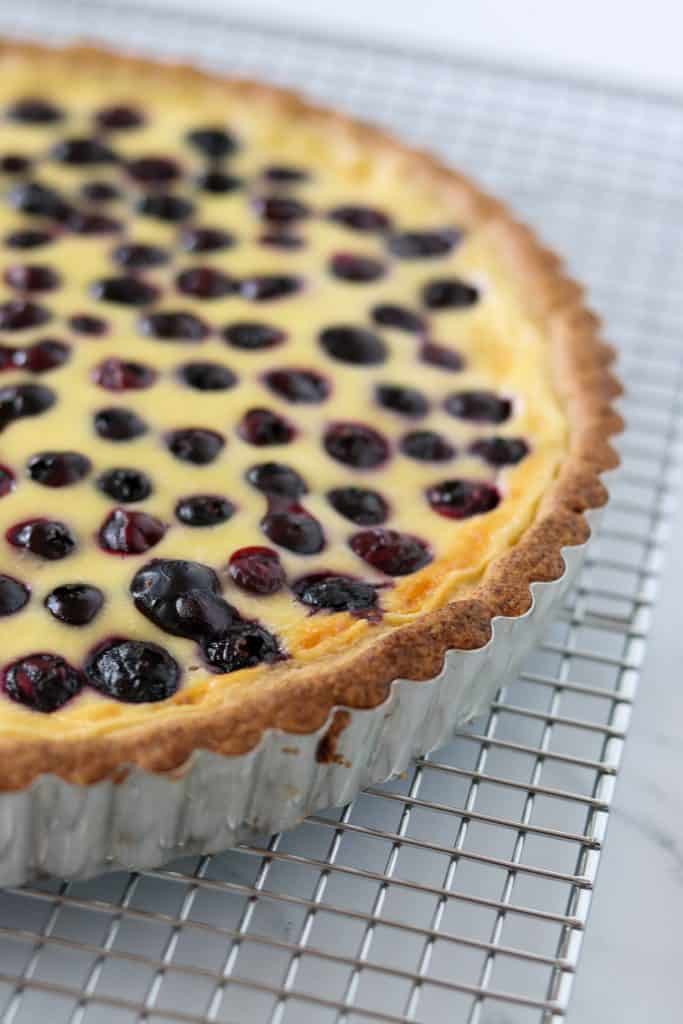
<point>307,695</point>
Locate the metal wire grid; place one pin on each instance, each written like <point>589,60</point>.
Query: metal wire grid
<point>460,892</point>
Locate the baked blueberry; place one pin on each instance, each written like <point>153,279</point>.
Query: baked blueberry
<point>92,223</point>
<point>359,505</point>
<point>213,143</point>
<point>285,174</point>
<point>39,201</point>
<point>281,209</point>
<point>219,183</point>
<point>207,376</point>
<point>130,533</point>
<point>34,110</point>
<point>20,315</point>
<point>100,192</point>
<point>119,118</point>
<point>124,291</point>
<point>281,240</point>
<point>399,317</point>
<point>294,529</point>
<point>14,163</point>
<point>257,570</point>
<point>449,293</point>
<point>133,671</point>
<point>360,218</point>
<point>335,593</point>
<point>413,245</point>
<point>205,283</point>
<point>195,444</point>
<point>13,595</point>
<point>165,206</point>
<point>20,400</point>
<point>125,485</point>
<point>242,645</point>
<point>356,445</point>
<point>265,287</point>
<point>118,424</point>
<point>58,469</point>
<point>277,480</point>
<point>153,171</point>
<point>123,375</point>
<point>391,552</point>
<point>404,400</point>
<point>42,682</point>
<point>27,238</point>
<point>460,499</point>
<point>42,356</point>
<point>251,335</point>
<point>7,481</point>
<point>35,278</point>
<point>500,451</point>
<point>298,385</point>
<point>85,323</point>
<point>46,538</point>
<point>479,406</point>
<point>354,345</point>
<point>82,151</point>
<point>182,598</point>
<point>427,446</point>
<point>173,325</point>
<point>139,256</point>
<point>75,604</point>
<point>439,355</point>
<point>265,427</point>
<point>204,510</point>
<point>205,239</point>
<point>355,268</point>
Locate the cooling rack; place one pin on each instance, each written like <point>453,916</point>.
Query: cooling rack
<point>458,893</point>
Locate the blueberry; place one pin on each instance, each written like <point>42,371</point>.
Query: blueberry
<point>33,278</point>
<point>173,326</point>
<point>139,256</point>
<point>207,376</point>
<point>92,224</point>
<point>219,182</point>
<point>213,143</point>
<point>264,287</point>
<point>58,469</point>
<point>19,315</point>
<point>33,110</point>
<point>204,510</point>
<point>42,356</point>
<point>205,239</point>
<point>14,163</point>
<point>356,444</point>
<point>118,375</point>
<point>479,406</point>
<point>7,481</point>
<point>20,400</point>
<point>27,238</point>
<point>166,206</point>
<point>253,336</point>
<point>99,192</point>
<point>360,218</point>
<point>391,552</point>
<point>125,485</point>
<point>276,480</point>
<point>118,424</point>
<point>257,570</point>
<point>39,201</point>
<point>133,671</point>
<point>82,152</point>
<point>285,174</point>
<point>205,283</point>
<point>119,118</point>
<point>411,245</point>
<point>264,427</point>
<point>182,598</point>
<point>124,291</point>
<point>354,345</point>
<point>460,499</point>
<point>500,451</point>
<point>296,385</point>
<point>13,595</point>
<point>195,445</point>
<point>427,446</point>
<point>439,355</point>
<point>242,645</point>
<point>328,592</point>
<point>84,323</point>
<point>46,538</point>
<point>398,317</point>
<point>295,529</point>
<point>41,682</point>
<point>155,171</point>
<point>281,240</point>
<point>359,505</point>
<point>130,533</point>
<point>406,401</point>
<point>281,209</point>
<point>355,268</point>
<point>75,604</point>
<point>449,293</point>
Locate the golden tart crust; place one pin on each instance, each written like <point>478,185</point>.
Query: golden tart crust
<point>482,566</point>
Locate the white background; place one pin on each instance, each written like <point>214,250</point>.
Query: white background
<point>638,42</point>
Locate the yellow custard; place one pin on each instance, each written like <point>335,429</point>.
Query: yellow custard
<point>418,241</point>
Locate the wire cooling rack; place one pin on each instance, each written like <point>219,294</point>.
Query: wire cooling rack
<point>458,893</point>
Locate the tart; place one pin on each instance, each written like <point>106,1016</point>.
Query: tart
<point>288,411</point>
